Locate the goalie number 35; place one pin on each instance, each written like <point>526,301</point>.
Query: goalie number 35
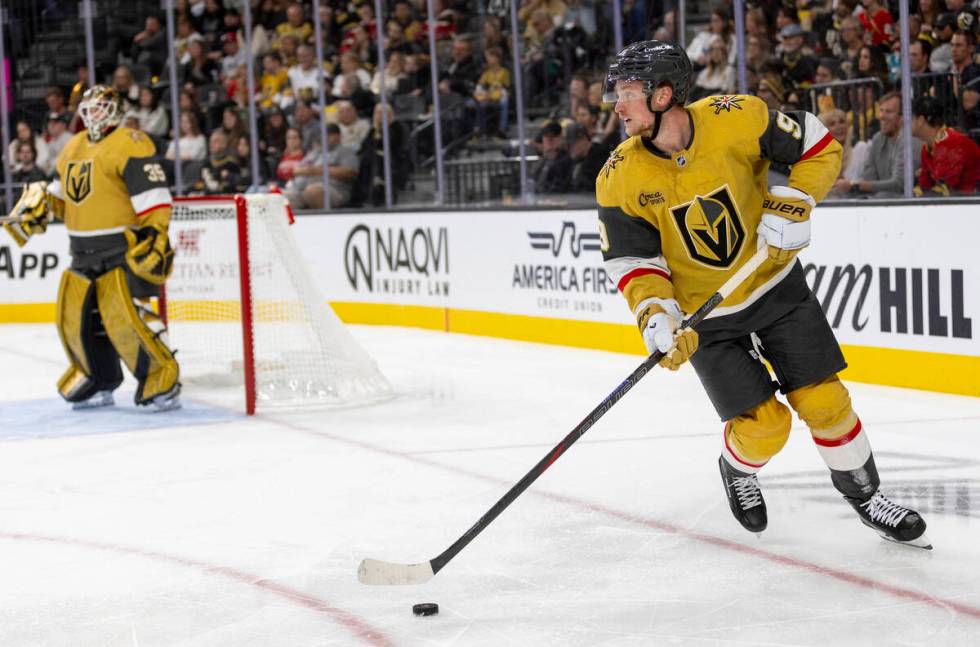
<point>154,172</point>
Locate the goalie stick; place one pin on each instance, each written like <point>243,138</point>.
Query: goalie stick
<point>376,571</point>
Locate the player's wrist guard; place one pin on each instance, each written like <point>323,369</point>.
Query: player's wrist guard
<point>149,256</point>
<point>33,211</point>
<point>785,224</point>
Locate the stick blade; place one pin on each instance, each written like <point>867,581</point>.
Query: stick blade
<point>378,572</point>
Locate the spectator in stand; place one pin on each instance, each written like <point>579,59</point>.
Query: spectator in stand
<point>397,143</point>
<point>798,65</point>
<point>608,124</point>
<point>199,69</point>
<point>342,166</point>
<point>554,9</point>
<point>221,172</point>
<point>193,146</point>
<point>826,74</point>
<point>243,149</point>
<point>587,118</point>
<point>350,63</point>
<point>587,158</point>
<point>54,99</point>
<point>273,139</point>
<point>274,83</point>
<point>56,137</point>
<point>758,54</point>
<point>359,42</point>
<point>125,85</point>
<point>188,104</point>
<point>929,10</point>
<point>848,49</point>
<point>152,117</point>
<point>919,51</point>
<point>577,95</point>
<point>491,95</point>
<point>872,64</point>
<point>365,11</point>
<point>394,76</point>
<point>24,134</point>
<point>771,90</point>
<point>941,58</point>
<point>963,47</point>
<point>785,15</point>
<point>493,36</point>
<point>395,41</point>
<point>212,21</point>
<point>855,154</point>
<point>305,76</point>
<point>405,16</point>
<point>25,169</point>
<point>718,76</point>
<point>150,45</point>
<point>756,24</point>
<point>950,160</point>
<point>721,28</point>
<point>232,124</point>
<point>353,129</point>
<point>463,71</point>
<point>234,56</point>
<point>289,50</point>
<point>305,121</point>
<point>553,173</point>
<point>295,25</point>
<point>417,77</point>
<point>292,155</point>
<point>540,68</point>
<point>882,175</point>
<point>878,21</point>
<point>184,31</point>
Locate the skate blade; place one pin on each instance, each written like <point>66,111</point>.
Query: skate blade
<point>919,542</point>
<point>95,402</point>
<point>166,405</point>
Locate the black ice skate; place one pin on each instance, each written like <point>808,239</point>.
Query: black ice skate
<point>892,521</point>
<point>744,497</point>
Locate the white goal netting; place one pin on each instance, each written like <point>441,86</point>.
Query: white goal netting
<point>302,354</point>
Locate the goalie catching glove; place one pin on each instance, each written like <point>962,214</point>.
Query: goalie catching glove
<point>32,213</point>
<point>149,256</point>
<point>659,321</point>
<point>785,222</point>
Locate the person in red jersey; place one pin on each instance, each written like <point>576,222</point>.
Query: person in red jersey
<point>950,159</point>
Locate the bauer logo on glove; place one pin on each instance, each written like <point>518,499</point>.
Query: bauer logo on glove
<point>149,256</point>
<point>785,224</point>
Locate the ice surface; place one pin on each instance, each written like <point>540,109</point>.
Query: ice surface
<point>203,527</point>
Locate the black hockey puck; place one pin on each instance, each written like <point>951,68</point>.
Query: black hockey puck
<point>425,609</point>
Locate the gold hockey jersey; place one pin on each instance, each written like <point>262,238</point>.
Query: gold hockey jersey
<point>677,226</point>
<point>111,185</point>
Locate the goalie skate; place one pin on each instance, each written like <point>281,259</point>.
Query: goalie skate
<point>892,521</point>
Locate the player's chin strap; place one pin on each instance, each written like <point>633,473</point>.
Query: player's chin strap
<point>658,116</point>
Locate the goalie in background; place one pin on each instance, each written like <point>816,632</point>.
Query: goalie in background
<point>683,203</point>
<point>111,192</point>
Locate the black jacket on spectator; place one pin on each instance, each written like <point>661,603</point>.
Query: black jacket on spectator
<point>220,175</point>
<point>587,169</point>
<point>204,75</point>
<point>463,76</point>
<point>555,175</point>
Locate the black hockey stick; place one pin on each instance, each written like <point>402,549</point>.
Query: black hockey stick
<point>375,571</point>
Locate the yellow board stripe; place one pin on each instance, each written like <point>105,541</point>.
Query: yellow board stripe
<point>941,372</point>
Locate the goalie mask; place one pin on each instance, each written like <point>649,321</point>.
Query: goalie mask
<point>654,63</point>
<point>101,110</point>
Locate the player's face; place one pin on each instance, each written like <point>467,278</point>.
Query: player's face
<point>631,106</point>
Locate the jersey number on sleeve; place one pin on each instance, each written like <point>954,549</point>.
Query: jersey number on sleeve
<point>789,126</point>
<point>154,173</point>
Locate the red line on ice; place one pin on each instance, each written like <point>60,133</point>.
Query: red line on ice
<point>843,576</point>
<point>358,627</point>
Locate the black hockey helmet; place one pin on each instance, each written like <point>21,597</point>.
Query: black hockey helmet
<point>655,63</point>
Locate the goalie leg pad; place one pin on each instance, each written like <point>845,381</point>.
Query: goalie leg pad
<point>138,336</point>
<point>757,435</point>
<point>93,362</point>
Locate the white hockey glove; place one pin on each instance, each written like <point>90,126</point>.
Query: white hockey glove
<point>659,320</point>
<point>785,222</point>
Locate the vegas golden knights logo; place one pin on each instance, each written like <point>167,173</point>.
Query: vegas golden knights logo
<point>711,228</point>
<point>78,180</point>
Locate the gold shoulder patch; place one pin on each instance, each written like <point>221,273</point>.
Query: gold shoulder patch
<point>614,158</point>
<point>726,103</point>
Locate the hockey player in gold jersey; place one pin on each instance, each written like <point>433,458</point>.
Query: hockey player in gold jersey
<point>683,203</point>
<point>111,192</point>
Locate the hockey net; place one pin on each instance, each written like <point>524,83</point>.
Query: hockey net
<point>242,310</point>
